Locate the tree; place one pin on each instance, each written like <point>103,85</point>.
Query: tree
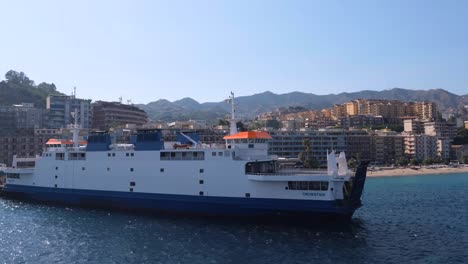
<point>464,159</point>
<point>18,78</point>
<point>273,123</point>
<point>240,126</point>
<point>413,162</point>
<point>223,122</point>
<point>462,137</point>
<point>48,88</point>
<point>402,161</point>
<point>306,156</point>
<point>428,161</point>
<point>352,163</point>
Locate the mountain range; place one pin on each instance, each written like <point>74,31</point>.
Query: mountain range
<point>250,106</point>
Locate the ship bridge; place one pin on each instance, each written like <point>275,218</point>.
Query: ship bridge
<point>249,145</point>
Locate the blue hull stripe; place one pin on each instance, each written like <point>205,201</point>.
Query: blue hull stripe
<point>180,203</point>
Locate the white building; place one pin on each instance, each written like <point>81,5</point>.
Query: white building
<point>443,148</point>
<point>421,147</point>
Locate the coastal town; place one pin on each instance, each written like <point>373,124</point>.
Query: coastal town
<point>397,137</point>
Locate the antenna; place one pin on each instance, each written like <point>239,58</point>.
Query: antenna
<point>74,91</point>
<point>120,99</point>
<point>129,101</point>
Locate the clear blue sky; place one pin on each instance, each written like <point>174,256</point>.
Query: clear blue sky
<point>148,50</point>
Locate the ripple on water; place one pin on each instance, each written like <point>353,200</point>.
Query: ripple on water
<point>405,219</point>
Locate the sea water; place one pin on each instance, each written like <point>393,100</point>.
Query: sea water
<point>411,219</point>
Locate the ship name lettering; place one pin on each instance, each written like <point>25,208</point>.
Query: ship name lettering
<point>313,194</point>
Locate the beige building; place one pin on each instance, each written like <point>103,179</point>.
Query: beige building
<point>338,111</point>
<point>440,129</point>
<point>108,115</point>
<point>387,148</point>
<point>413,125</point>
<point>351,108</point>
<point>389,109</point>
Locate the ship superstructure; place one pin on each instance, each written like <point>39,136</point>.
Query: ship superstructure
<point>235,179</point>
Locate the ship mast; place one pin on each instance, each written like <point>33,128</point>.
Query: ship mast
<point>232,121</point>
<point>75,128</point>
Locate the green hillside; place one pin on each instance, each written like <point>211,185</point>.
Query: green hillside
<point>18,88</point>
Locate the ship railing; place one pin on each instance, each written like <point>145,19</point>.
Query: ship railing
<point>283,173</point>
<point>55,149</point>
<point>298,172</point>
<point>122,147</point>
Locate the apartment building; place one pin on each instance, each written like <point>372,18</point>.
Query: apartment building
<point>440,129</point>
<point>413,125</point>
<point>386,147</point>
<point>291,143</point>
<point>23,142</point>
<point>420,146</point>
<point>61,107</point>
<point>106,115</point>
<point>21,116</point>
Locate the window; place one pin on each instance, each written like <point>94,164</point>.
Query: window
<point>59,156</point>
<point>213,154</point>
<point>83,168</point>
<point>182,155</point>
<point>220,154</point>
<point>132,154</point>
<point>127,154</point>
<point>108,154</point>
<point>131,169</point>
<point>308,185</point>
<point>200,182</point>
<point>202,170</point>
<point>108,169</point>
<point>113,154</point>
<point>201,193</point>
<point>132,183</point>
<point>247,195</point>
<point>161,170</point>
<point>13,175</point>
<point>251,145</point>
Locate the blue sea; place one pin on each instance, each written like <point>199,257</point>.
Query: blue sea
<point>413,219</point>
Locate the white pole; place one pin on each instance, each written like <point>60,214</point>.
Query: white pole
<point>233,123</point>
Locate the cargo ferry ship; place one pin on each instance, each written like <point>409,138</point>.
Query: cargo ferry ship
<point>237,178</point>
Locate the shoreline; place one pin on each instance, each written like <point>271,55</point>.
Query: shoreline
<point>396,172</point>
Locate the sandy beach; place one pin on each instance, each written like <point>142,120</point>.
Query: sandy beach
<point>411,172</point>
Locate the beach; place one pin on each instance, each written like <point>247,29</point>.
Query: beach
<point>385,172</point>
